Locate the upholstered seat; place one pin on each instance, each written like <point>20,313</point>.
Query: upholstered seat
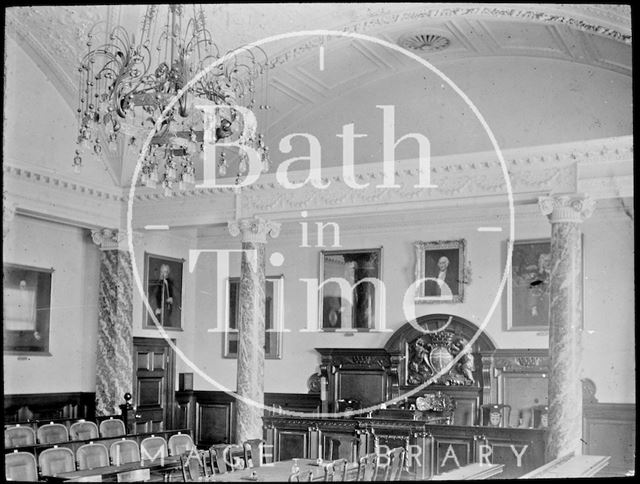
<point>90,456</point>
<point>180,443</point>
<point>20,466</point>
<point>56,460</point>
<point>83,430</point>
<point>124,451</point>
<point>19,435</point>
<point>52,433</point>
<point>153,447</point>
<point>114,427</point>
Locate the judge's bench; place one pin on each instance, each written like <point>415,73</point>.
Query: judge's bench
<point>440,388</point>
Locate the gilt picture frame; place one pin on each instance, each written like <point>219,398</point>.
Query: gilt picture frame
<point>440,266</point>
<point>528,299</point>
<point>163,290</point>
<point>274,317</point>
<point>361,309</point>
<point>26,309</point>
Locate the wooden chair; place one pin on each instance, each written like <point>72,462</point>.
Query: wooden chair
<point>153,447</point>
<point>227,457</point>
<point>368,467</point>
<point>301,476</point>
<point>180,443</point>
<point>396,464</point>
<point>91,455</point>
<point>20,466</point>
<point>19,435</point>
<point>83,430</point>
<point>253,452</point>
<point>52,433</point>
<point>113,427</point>
<point>193,466</point>
<point>495,414</point>
<point>351,472</point>
<point>338,469</point>
<point>56,460</point>
<point>124,451</point>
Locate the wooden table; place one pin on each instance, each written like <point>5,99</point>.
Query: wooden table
<point>570,466</point>
<point>164,465</point>
<point>472,472</point>
<point>273,472</point>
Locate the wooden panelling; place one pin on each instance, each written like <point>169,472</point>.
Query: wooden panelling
<point>610,429</point>
<point>43,406</point>
<point>292,444</point>
<point>211,413</point>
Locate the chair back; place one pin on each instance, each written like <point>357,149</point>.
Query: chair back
<point>337,470</point>
<point>124,451</point>
<point>153,448</point>
<point>253,452</point>
<point>19,435</point>
<point>83,430</point>
<point>193,466</point>
<point>113,427</point>
<point>495,414</point>
<point>20,466</point>
<point>227,457</point>
<point>351,472</point>
<point>52,433</point>
<point>368,467</point>
<point>395,464</point>
<point>56,460</point>
<point>90,456</point>
<point>180,443</point>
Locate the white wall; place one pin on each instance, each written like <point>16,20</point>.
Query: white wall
<point>609,351</point>
<point>75,260</point>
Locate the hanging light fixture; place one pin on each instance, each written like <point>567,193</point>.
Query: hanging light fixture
<point>125,85</point>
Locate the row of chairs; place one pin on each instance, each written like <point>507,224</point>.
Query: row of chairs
<point>22,465</point>
<point>221,459</point>
<point>367,469</point>
<point>54,433</point>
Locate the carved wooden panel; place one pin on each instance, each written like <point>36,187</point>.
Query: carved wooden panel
<point>213,423</point>
<point>452,453</point>
<point>292,444</point>
<point>368,387</point>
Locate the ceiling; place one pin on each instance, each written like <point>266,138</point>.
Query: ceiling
<point>539,74</point>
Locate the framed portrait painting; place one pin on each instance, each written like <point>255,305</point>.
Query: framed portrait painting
<point>528,286</point>
<point>163,283</point>
<point>273,317</point>
<point>441,266</point>
<point>351,295</point>
<point>26,309</point>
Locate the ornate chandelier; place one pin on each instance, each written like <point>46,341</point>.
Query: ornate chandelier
<point>125,85</point>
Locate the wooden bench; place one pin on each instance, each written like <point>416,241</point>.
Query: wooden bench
<point>470,472</point>
<point>570,466</point>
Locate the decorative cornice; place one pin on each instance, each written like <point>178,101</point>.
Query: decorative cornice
<point>254,229</point>
<point>61,183</point>
<point>515,12</point>
<point>8,214</point>
<point>567,208</point>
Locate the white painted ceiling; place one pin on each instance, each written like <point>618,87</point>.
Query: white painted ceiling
<point>538,74</point>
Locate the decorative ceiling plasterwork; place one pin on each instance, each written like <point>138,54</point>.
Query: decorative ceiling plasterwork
<point>54,36</point>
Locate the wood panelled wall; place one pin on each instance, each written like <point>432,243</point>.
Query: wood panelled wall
<point>608,428</point>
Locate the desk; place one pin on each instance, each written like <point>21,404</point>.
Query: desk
<point>570,466</point>
<point>274,472</point>
<point>166,464</point>
<point>471,472</point>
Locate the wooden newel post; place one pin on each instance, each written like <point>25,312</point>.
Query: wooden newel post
<point>128,414</point>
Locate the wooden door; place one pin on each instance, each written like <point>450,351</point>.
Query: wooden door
<point>154,396</point>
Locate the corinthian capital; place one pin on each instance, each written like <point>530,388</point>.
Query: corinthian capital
<point>567,208</point>
<point>254,229</point>
<point>112,239</point>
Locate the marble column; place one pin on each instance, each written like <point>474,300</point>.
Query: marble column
<point>251,324</point>
<point>114,366</point>
<point>566,214</point>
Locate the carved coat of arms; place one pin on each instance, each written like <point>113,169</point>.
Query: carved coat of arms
<point>430,355</point>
